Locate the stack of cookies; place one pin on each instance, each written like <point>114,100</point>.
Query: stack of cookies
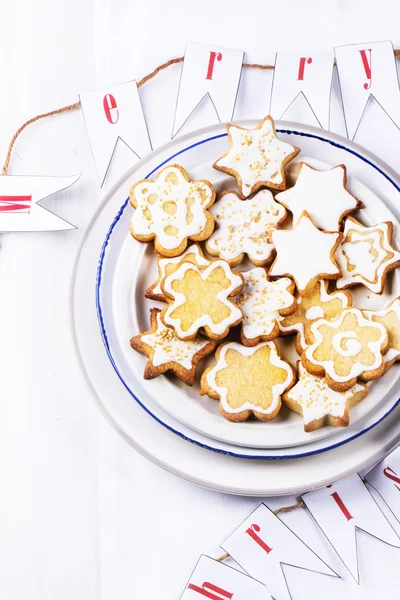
<point>212,308</point>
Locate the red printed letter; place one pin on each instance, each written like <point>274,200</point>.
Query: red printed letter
<point>252,531</point>
<point>367,66</point>
<point>211,62</point>
<point>390,474</point>
<point>110,109</point>
<point>302,65</point>
<point>207,589</point>
<point>341,505</point>
<point>15,204</point>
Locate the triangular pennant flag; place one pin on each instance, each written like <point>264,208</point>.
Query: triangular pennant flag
<point>343,507</point>
<point>111,114</point>
<point>263,543</point>
<point>19,197</point>
<point>385,479</point>
<point>367,70</point>
<point>309,74</point>
<point>216,581</point>
<point>212,71</point>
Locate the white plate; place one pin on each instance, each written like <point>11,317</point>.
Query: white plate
<point>165,447</point>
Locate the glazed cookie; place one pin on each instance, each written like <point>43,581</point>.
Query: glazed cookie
<point>389,317</point>
<point>305,253</point>
<point>171,209</point>
<point>166,266</point>
<point>319,404</point>
<point>317,304</point>
<point>165,352</point>
<point>257,157</point>
<point>244,227</point>
<point>248,381</point>
<point>263,303</point>
<point>345,348</point>
<point>366,255</point>
<point>202,298</point>
<point>322,194</point>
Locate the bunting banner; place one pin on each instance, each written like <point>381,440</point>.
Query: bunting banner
<point>385,479</point>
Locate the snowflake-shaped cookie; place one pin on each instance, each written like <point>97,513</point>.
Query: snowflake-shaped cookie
<point>305,253</point>
<point>318,303</point>
<point>319,404</point>
<point>166,352</point>
<point>322,194</point>
<point>263,304</point>
<point>389,317</point>
<point>366,255</point>
<point>171,209</point>
<point>247,381</point>
<point>202,298</point>
<point>257,157</point>
<point>244,227</point>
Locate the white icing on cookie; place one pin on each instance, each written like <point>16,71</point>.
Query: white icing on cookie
<point>347,344</point>
<point>364,255</point>
<point>304,252</point>
<point>260,300</point>
<point>317,399</point>
<point>163,262</point>
<point>393,328</point>
<point>167,347</point>
<point>256,155</point>
<point>244,226</point>
<point>277,389</point>
<point>314,312</point>
<point>171,207</point>
<point>205,320</point>
<point>322,194</point>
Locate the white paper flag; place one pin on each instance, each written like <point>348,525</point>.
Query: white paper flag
<point>19,197</point>
<point>262,543</point>
<point>216,581</point>
<point>342,507</point>
<point>385,478</point>
<point>212,71</point>
<point>365,70</point>
<point>309,74</point>
<point>112,114</point>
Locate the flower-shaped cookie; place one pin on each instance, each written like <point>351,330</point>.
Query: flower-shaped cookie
<point>389,317</point>
<point>200,298</point>
<point>257,157</point>
<point>171,209</point>
<point>244,227</point>
<point>366,255</point>
<point>165,352</point>
<point>319,404</point>
<point>263,304</point>
<point>317,304</point>
<point>345,348</point>
<point>247,381</point>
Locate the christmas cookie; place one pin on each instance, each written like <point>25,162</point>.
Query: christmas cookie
<point>244,227</point>
<point>322,194</point>
<point>263,303</point>
<point>317,303</point>
<point>345,348</point>
<point>200,298</point>
<point>171,209</point>
<point>166,352</point>
<point>389,317</point>
<point>166,266</point>
<point>257,157</point>
<point>366,255</point>
<point>305,253</point>
<point>319,404</point>
<point>247,381</point>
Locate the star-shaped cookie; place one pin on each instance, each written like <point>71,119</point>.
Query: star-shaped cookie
<point>257,157</point>
<point>305,253</point>
<point>366,255</point>
<point>165,352</point>
<point>389,317</point>
<point>322,194</point>
<point>244,227</point>
<point>263,304</point>
<point>319,404</point>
